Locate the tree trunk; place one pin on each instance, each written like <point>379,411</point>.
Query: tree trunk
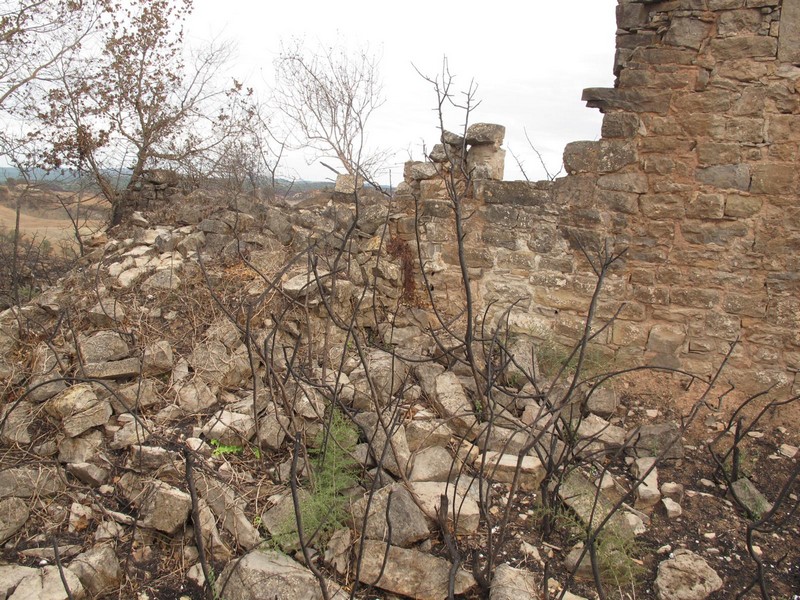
<point>120,208</point>
<point>15,257</point>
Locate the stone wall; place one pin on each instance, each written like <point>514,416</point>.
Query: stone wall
<point>696,174</point>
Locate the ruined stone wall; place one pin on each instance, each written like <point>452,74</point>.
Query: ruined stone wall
<point>696,174</point>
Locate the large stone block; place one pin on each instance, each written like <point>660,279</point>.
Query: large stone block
<point>743,69</point>
<point>694,298</point>
<point>506,215</point>
<point>636,100</point>
<point>106,313</point>
<point>783,128</point>
<point>748,305</point>
<point>745,46</point>
<point>605,156</point>
<point>433,189</point>
<point>27,482</point>
<point>623,202</point>
<point>724,4</point>
<point>485,133</point>
<point>686,576</point>
<point>591,505</point>
<point>347,184</point>
<point>783,152</point>
<point>624,182</point>
<point>743,130</point>
<point>631,40</point>
<point>628,334</point>
<point>789,38</point>
<point>117,369</point>
<point>784,95</point>
<point>451,401</point>
<point>619,125</point>
<point>773,178</point>
<point>464,513</point>
<point>711,101</point>
<point>13,515</point>
<point>706,206</point>
<point>678,146</point>
<point>158,358</point>
<point>679,79</point>
<point>719,326</point>
<point>662,206</point>
<point>740,22</point>
<point>510,584</point>
<point>666,338</point>
<point>485,161</point>
<point>664,56</point>
<point>687,32</point>
<point>658,125</point>
<point>98,570</point>
<point>716,153</point>
<point>268,573</point>
<point>421,170</point>
<point>519,193</point>
<point>725,176</point>
<point>500,237</point>
<point>527,471</point>
<point>651,294</point>
<point>475,258</point>
<point>393,517</point>
<point>562,299</point>
<point>49,583</point>
<point>545,239</point>
<point>102,346</point>
<point>677,4</point>
<point>720,234</point>
<point>79,409</point>
<point>46,381</point>
<point>387,441</point>
<point>409,573</point>
<point>741,206</point>
<point>632,16</point>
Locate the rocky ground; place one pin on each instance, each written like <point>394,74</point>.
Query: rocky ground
<point>170,404</point>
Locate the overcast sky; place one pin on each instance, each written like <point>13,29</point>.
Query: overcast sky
<point>531,61</point>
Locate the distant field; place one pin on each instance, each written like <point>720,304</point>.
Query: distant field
<point>56,228</point>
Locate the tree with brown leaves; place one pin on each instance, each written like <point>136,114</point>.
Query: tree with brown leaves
<point>140,102</point>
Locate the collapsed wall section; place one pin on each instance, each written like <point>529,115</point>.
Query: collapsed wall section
<point>696,174</point>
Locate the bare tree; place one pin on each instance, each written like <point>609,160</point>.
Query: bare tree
<point>551,176</point>
<point>248,162</point>
<point>329,95</point>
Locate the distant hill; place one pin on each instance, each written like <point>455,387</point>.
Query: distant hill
<point>59,179</point>
<point>68,180</point>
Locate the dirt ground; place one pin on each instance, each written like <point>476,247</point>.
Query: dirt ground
<point>711,524</point>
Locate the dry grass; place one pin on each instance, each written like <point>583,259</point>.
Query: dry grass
<point>54,229</point>
<point>44,216</point>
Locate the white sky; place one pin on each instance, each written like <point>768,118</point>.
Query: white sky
<point>530,60</point>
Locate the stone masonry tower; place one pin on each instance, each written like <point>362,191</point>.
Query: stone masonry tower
<point>697,174</point>
<point>706,104</point>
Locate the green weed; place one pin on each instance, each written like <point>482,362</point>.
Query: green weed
<point>617,550</point>
<point>333,470</point>
<point>221,449</point>
<point>617,555</point>
<point>551,356</point>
